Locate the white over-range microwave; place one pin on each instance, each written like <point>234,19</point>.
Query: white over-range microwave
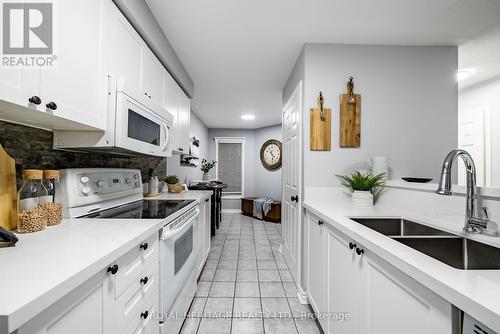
<point>135,125</point>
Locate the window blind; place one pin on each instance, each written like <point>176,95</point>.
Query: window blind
<point>230,166</point>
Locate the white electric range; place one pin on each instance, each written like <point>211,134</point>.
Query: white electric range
<point>106,193</point>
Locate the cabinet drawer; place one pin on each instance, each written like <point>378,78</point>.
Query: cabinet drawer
<point>133,263</point>
<point>150,324</point>
<point>132,300</point>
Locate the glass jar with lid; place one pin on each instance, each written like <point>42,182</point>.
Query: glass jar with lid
<point>31,196</point>
<point>53,202</point>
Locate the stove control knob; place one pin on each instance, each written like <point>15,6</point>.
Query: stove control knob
<point>84,179</point>
<point>85,190</point>
<point>100,183</point>
<point>127,180</point>
<point>136,176</point>
<point>136,183</point>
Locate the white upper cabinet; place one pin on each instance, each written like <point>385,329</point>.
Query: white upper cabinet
<point>76,88</point>
<point>72,94</point>
<point>152,76</point>
<point>178,104</point>
<point>125,48</point>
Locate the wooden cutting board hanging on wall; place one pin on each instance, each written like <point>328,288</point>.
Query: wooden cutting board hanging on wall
<point>321,129</point>
<point>8,192</point>
<point>350,117</point>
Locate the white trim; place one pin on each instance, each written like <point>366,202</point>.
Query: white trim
<point>232,140</point>
<point>231,211</point>
<point>302,295</point>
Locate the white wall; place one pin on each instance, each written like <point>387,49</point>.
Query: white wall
<point>267,183</point>
<point>200,131</point>
<point>408,107</point>
<point>486,94</point>
<point>259,182</point>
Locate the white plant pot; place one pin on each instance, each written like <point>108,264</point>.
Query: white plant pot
<point>362,198</point>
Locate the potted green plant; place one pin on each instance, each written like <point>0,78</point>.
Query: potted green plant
<point>206,166</point>
<point>362,187</point>
<point>172,182</point>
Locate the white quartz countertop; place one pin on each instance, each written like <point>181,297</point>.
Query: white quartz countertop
<point>477,292</point>
<point>44,266</point>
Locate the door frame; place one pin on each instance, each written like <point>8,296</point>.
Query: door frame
<point>297,94</point>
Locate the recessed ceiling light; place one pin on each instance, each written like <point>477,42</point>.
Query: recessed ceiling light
<point>463,74</point>
<point>248,117</point>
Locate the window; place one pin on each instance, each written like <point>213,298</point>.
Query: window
<point>230,164</point>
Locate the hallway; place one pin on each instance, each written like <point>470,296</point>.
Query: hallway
<point>246,286</point>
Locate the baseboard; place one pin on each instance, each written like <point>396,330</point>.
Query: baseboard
<point>231,211</point>
<point>302,295</point>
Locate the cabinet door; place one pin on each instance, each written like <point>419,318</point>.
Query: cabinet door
<point>152,76</point>
<point>184,120</point>
<point>344,283</point>
<point>393,303</point>
<point>126,45</point>
<point>77,85</point>
<point>207,237</point>
<point>17,85</point>
<point>86,309</point>
<point>316,263</point>
<point>171,93</point>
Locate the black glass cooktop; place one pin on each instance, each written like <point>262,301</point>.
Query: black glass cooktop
<point>143,209</point>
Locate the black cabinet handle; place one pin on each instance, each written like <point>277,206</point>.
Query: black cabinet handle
<point>294,198</point>
<point>51,105</point>
<point>359,251</point>
<point>35,100</point>
<point>320,222</point>
<point>144,314</point>
<point>181,149</point>
<point>113,270</point>
<point>144,280</point>
<point>144,246</point>
<point>207,200</point>
<point>352,245</point>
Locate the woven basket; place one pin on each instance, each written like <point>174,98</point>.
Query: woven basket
<point>175,188</point>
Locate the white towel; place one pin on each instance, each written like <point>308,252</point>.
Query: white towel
<point>261,207</point>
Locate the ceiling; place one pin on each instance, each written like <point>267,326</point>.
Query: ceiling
<point>239,53</point>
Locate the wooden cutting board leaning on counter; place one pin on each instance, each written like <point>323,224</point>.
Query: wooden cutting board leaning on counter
<point>8,191</point>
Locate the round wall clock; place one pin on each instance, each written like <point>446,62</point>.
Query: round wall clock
<point>270,154</point>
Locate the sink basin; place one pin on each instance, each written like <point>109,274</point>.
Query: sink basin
<point>453,250</point>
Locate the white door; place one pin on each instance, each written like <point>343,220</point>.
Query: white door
<point>77,85</point>
<point>474,136</point>
<point>292,180</point>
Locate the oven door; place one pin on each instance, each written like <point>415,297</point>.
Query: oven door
<point>178,251</point>
<point>139,129</point>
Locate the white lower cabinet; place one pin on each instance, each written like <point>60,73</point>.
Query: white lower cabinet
<point>101,306</point>
<point>370,294</point>
<point>204,236</point>
<point>316,271</point>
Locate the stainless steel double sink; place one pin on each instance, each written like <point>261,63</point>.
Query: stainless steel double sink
<point>453,250</point>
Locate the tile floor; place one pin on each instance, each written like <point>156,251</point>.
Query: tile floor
<point>246,286</point>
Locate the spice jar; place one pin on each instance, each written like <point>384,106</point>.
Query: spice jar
<point>31,196</point>
<point>53,203</point>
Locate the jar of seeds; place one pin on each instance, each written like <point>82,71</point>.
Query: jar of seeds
<point>31,196</point>
<point>53,203</point>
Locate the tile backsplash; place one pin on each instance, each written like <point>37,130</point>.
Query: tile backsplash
<point>32,148</point>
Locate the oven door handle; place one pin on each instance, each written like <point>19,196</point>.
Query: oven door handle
<point>167,234</point>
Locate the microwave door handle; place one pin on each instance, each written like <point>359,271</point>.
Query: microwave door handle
<point>173,233</point>
<point>167,136</point>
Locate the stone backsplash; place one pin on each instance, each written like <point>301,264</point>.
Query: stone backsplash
<point>32,148</point>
